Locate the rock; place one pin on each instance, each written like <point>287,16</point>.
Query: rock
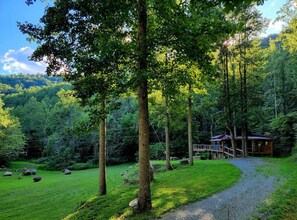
<point>37,179</point>
<point>184,161</point>
<point>151,173</point>
<point>196,157</point>
<point>27,172</point>
<point>67,172</point>
<point>134,205</point>
<point>7,174</point>
<point>173,158</point>
<point>33,171</point>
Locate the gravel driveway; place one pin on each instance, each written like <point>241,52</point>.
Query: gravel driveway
<point>236,203</point>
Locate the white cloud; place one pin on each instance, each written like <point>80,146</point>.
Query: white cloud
<point>17,62</point>
<point>276,26</point>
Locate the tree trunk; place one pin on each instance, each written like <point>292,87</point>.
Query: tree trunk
<point>102,151</point>
<point>275,100</point>
<point>190,135</point>
<point>167,137</point>
<point>144,195</point>
<point>243,142</point>
<point>245,98</point>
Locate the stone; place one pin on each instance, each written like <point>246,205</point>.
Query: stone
<point>27,172</point>
<point>184,161</point>
<point>151,173</point>
<point>134,205</point>
<point>7,174</point>
<point>173,158</point>
<point>37,179</point>
<point>33,171</point>
<point>67,172</point>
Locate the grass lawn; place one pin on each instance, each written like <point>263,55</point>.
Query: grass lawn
<point>283,203</point>
<point>169,190</point>
<point>55,196</point>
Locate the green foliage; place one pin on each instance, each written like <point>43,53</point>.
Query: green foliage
<point>11,136</point>
<point>169,190</point>
<point>284,133</point>
<point>157,151</point>
<point>15,83</point>
<point>130,175</point>
<point>82,166</point>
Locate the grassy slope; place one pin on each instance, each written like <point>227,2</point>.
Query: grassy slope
<point>55,196</point>
<point>283,203</point>
<point>169,190</point>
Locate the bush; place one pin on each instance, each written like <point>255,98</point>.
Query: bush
<point>130,175</point>
<point>157,151</point>
<point>41,160</point>
<point>81,166</point>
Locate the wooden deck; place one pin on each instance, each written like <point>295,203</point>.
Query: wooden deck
<point>207,147</point>
<point>224,150</point>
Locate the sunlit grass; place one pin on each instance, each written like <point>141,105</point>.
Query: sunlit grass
<point>169,190</point>
<point>283,203</point>
<point>55,196</point>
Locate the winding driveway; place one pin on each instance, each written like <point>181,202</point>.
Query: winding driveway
<point>239,202</point>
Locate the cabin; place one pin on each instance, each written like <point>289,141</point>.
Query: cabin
<point>220,147</point>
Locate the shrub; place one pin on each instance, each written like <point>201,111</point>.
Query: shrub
<point>41,160</point>
<point>130,175</point>
<point>81,166</point>
<point>157,151</point>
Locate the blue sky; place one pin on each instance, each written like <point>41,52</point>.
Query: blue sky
<point>15,49</point>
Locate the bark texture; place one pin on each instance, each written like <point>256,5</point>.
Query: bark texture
<point>190,133</point>
<point>102,152</point>
<point>167,135</point>
<point>144,194</point>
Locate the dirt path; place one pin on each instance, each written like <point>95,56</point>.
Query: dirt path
<point>236,203</point>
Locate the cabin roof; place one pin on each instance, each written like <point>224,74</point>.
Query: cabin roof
<point>224,137</point>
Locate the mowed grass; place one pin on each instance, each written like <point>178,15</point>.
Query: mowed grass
<point>55,196</point>
<point>283,203</point>
<point>169,190</point>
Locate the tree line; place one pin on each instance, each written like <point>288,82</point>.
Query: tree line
<point>188,49</point>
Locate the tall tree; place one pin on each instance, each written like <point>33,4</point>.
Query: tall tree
<point>143,120</point>
<point>11,137</point>
<point>116,11</point>
<point>84,43</point>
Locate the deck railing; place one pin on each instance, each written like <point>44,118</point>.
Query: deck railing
<point>202,147</point>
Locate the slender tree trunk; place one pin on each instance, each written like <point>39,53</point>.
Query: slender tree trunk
<point>144,195</point>
<point>275,100</point>
<point>228,111</point>
<point>283,92</point>
<point>211,127</point>
<point>233,143</point>
<point>190,135</point>
<point>243,142</point>
<point>167,137</point>
<point>102,151</point>
<point>245,98</point>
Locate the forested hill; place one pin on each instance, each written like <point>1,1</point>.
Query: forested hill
<point>14,83</point>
